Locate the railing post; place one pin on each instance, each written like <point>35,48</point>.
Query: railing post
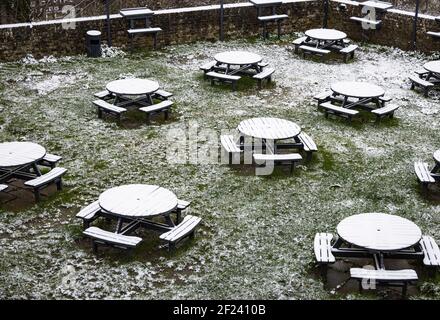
<point>109,31</point>
<point>325,22</point>
<point>416,17</point>
<point>222,15</point>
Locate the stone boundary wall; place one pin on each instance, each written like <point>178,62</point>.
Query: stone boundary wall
<point>183,25</point>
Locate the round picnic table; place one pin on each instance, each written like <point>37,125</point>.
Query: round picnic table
<point>354,89</point>
<point>269,128</point>
<point>379,232</point>
<point>326,34</point>
<point>433,66</point>
<point>238,58</point>
<point>138,201</point>
<point>18,154</point>
<point>132,87</point>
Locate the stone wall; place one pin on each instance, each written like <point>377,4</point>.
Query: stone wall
<point>396,29</point>
<point>178,27</point>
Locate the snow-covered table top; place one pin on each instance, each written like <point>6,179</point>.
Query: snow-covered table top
<point>132,87</point>
<point>136,12</point>
<point>269,128</point>
<point>266,2</point>
<point>137,201</point>
<point>379,232</point>
<point>357,89</point>
<point>377,4</point>
<point>326,34</point>
<point>238,58</point>
<point>15,154</point>
<point>94,33</point>
<point>432,66</point>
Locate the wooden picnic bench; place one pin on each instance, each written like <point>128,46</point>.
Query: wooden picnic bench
<point>323,248</point>
<point>419,82</point>
<point>105,107</point>
<point>230,147</point>
<point>431,251</point>
<point>298,42</point>
<point>164,106</point>
<point>116,240</point>
<point>89,214</point>
<point>312,50</point>
<point>277,18</point>
<point>104,95</point>
<point>289,158</point>
<point>50,160</point>
<point>221,77</point>
<point>399,278</point>
<point>161,95</point>
<point>264,75</point>
<point>184,229</point>
<point>182,205</point>
<point>53,176</point>
<point>385,111</point>
<point>338,111</point>
<point>423,174</point>
<point>348,52</point>
<point>309,146</point>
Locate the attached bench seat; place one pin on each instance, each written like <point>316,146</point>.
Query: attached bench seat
<point>182,205</point>
<point>423,174</point>
<point>278,18</point>
<point>309,146</point>
<point>153,31</point>
<point>109,108</point>
<point>221,77</point>
<point>348,52</point>
<point>339,111</point>
<point>431,251</point>
<point>323,97</point>
<point>89,213</point>
<point>103,95</point>
<point>323,248</point>
<point>50,160</point>
<point>100,236</point>
<point>388,277</point>
<point>298,42</point>
<point>229,145</point>
<point>164,106</point>
<point>184,229</point>
<point>3,187</point>
<point>207,67</point>
<point>421,72</point>
<point>53,176</point>
<point>162,95</point>
<point>419,82</point>
<point>365,20</point>
<point>434,34</point>
<point>312,50</point>
<point>264,75</point>
<point>385,111</point>
<point>290,158</point>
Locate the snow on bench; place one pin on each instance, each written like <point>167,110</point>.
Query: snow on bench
<point>298,42</point>
<point>365,20</point>
<point>434,34</point>
<point>230,147</point>
<point>266,74</point>
<point>185,228</point>
<point>144,30</point>
<point>339,111</point>
<point>323,97</point>
<point>89,213</point>
<point>100,236</point>
<point>323,248</point>
<point>431,251</point>
<point>3,187</point>
<point>162,95</point>
<point>53,176</point>
<point>215,76</point>
<point>182,205</point>
<point>103,95</point>
<point>163,106</point>
<point>108,108</point>
<point>309,145</point>
<point>50,160</point>
<point>419,82</point>
<point>385,111</point>
<point>289,158</point>
<point>386,276</point>
<point>274,17</point>
<point>423,174</point>
<point>312,50</point>
<point>348,52</point>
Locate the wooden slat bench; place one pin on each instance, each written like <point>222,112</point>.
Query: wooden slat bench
<point>164,106</point>
<point>184,229</point>
<point>221,77</point>
<point>53,176</point>
<point>323,97</point>
<point>309,146</point>
<point>207,67</point>
<point>230,147</point>
<point>312,50</point>
<point>289,158</point>
<point>323,248</point>
<point>431,251</point>
<point>385,111</point>
<point>264,75</point>
<point>348,52</point>
<point>423,174</point>
<point>419,82</point>
<point>162,95</point>
<point>338,111</point>
<point>421,72</point>
<point>384,100</point>
<point>263,64</point>
<point>278,18</point>
<point>106,107</point>
<point>399,278</point>
<point>103,237</point>
<point>182,205</point>
<point>434,34</point>
<point>104,95</point>
<point>298,42</point>
<point>364,20</point>
<point>153,31</point>
<point>89,214</point>
<point>50,160</point>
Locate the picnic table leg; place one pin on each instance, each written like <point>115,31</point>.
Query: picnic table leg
<point>36,169</point>
<point>345,101</point>
<point>119,226</point>
<point>169,221</point>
